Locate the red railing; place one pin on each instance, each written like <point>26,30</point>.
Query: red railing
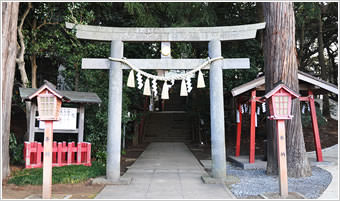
<point>63,154</point>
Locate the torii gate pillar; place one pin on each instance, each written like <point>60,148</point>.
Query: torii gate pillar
<point>217,112</point>
<point>114,114</point>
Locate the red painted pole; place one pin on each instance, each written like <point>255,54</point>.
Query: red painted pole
<point>89,154</point>
<point>27,154</point>
<point>252,127</point>
<point>315,127</point>
<point>239,129</point>
<point>282,161</point>
<point>39,151</point>
<point>54,155</point>
<point>79,153</point>
<point>47,168</point>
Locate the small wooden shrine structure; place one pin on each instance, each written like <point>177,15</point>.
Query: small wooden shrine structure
<point>77,98</point>
<point>309,86</point>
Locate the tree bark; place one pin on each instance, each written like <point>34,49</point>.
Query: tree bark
<point>9,50</point>
<point>322,63</point>
<point>76,77</point>
<point>20,56</point>
<point>333,77</point>
<point>33,57</point>
<point>301,48</point>
<point>34,68</point>
<point>280,62</point>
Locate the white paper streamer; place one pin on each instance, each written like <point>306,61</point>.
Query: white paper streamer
<point>189,85</point>
<point>303,108</point>
<point>140,81</point>
<point>264,107</point>
<point>258,110</point>
<point>154,87</point>
<point>255,120</point>
<point>237,116</point>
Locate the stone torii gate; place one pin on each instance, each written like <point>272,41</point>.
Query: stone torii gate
<point>214,35</point>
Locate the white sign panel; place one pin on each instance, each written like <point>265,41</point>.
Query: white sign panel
<point>68,120</point>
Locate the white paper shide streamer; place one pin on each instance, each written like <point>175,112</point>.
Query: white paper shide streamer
<point>184,91</point>
<point>186,85</point>
<point>154,87</point>
<point>189,85</point>
<point>140,81</point>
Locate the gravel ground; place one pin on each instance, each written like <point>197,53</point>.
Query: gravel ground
<point>255,182</point>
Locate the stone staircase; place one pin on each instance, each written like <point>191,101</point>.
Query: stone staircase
<point>169,126</point>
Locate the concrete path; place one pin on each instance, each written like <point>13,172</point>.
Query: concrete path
<point>331,164</point>
<point>166,171</point>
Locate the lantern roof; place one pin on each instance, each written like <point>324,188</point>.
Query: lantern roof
<point>50,87</point>
<point>306,82</point>
<point>280,85</point>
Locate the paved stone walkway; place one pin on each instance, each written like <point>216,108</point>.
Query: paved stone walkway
<point>331,164</point>
<point>166,171</point>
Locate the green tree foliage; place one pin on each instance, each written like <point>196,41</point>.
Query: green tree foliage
<point>307,36</point>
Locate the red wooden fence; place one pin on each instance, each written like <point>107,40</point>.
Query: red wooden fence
<point>62,155</point>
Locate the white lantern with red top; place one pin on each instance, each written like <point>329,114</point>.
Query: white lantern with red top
<point>280,101</point>
<point>48,105</point>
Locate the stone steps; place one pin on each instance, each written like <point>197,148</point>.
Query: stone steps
<point>168,127</point>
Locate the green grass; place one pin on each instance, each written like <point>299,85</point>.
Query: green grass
<point>60,175</point>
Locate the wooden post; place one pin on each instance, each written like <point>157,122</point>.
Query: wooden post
<point>32,122</point>
<point>252,127</point>
<point>282,160</point>
<point>81,123</point>
<point>47,168</point>
<point>315,127</point>
<point>239,129</point>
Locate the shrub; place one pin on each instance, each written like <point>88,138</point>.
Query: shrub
<point>60,175</point>
<point>15,151</point>
<point>306,119</point>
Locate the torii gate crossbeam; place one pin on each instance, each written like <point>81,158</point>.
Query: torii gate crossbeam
<point>212,34</point>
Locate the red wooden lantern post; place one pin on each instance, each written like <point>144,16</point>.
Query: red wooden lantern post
<point>49,104</point>
<point>280,102</point>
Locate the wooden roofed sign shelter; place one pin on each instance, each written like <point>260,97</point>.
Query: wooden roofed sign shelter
<point>309,86</point>
<point>77,98</point>
<point>213,35</point>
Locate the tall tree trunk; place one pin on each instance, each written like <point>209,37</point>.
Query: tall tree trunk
<point>280,62</point>
<point>20,56</point>
<point>9,50</point>
<point>322,63</point>
<point>333,77</point>
<point>76,78</point>
<point>21,62</point>
<point>301,65</point>
<point>34,68</point>
<point>33,57</point>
